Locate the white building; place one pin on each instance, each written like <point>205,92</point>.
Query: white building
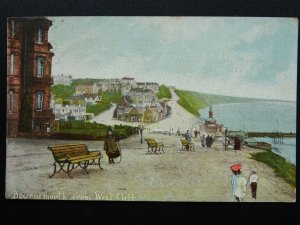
<point>69,112</point>
<point>89,99</point>
<point>62,79</point>
<point>86,89</point>
<point>148,85</point>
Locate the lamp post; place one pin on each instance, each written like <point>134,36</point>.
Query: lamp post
<point>142,119</point>
<point>225,141</point>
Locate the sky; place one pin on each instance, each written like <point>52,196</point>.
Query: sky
<point>234,56</point>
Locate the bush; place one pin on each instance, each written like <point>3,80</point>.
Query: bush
<point>163,92</point>
<point>98,108</point>
<point>111,96</point>
<point>62,91</point>
<point>93,130</point>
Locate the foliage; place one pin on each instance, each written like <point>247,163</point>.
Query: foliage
<point>98,108</point>
<point>111,96</point>
<point>194,101</point>
<point>62,91</point>
<point>94,129</point>
<point>25,123</point>
<point>163,92</point>
<point>281,167</point>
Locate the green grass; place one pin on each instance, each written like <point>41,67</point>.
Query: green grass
<point>62,91</point>
<point>163,92</point>
<point>281,167</point>
<point>111,96</point>
<point>98,108</point>
<point>194,101</point>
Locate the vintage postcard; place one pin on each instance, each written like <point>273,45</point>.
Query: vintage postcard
<point>193,109</point>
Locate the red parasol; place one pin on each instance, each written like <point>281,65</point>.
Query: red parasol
<point>236,167</point>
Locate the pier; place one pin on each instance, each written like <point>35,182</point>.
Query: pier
<point>278,137</point>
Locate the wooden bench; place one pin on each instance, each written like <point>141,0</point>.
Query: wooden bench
<point>187,145</point>
<point>73,156</point>
<point>154,146</point>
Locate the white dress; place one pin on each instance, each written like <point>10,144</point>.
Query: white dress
<point>240,190</point>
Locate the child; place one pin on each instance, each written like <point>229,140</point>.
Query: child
<point>253,182</point>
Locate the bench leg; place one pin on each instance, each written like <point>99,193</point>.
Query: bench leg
<point>86,164</point>
<point>148,150</point>
<point>99,163</point>
<point>70,169</point>
<point>54,171</point>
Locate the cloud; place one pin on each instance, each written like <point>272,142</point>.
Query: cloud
<point>266,26</point>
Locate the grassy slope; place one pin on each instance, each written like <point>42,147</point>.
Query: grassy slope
<point>163,92</point>
<point>281,167</point>
<point>194,101</point>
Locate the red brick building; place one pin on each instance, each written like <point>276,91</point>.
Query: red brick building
<point>29,61</point>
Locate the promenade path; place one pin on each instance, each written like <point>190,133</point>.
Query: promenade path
<point>176,175</point>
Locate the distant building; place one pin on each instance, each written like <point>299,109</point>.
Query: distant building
<point>111,85</point>
<point>29,62</point>
<point>89,99</point>
<point>127,83</point>
<point>62,79</point>
<point>69,112</point>
<point>139,96</point>
<point>210,125</point>
<point>86,89</point>
<point>148,85</point>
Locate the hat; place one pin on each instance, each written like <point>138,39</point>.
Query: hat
<point>253,171</point>
<point>236,167</point>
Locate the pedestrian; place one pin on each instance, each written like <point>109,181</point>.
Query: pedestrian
<point>203,141</point>
<point>208,141</point>
<point>188,137</point>
<point>253,182</point>
<point>240,191</point>
<point>195,132</point>
<point>110,146</point>
<point>233,181</point>
<point>237,143</point>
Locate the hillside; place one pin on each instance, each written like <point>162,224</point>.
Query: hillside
<point>194,101</point>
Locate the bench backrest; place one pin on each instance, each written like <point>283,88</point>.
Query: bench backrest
<point>150,141</point>
<point>61,151</point>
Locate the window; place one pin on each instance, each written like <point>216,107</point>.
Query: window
<point>39,100</point>
<point>12,23</point>
<point>40,36</point>
<point>40,67</point>
<point>38,127</point>
<point>12,58</point>
<point>11,101</point>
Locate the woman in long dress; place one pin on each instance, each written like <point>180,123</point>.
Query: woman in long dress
<point>111,147</point>
<point>240,190</point>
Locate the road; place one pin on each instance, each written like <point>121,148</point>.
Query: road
<point>179,118</point>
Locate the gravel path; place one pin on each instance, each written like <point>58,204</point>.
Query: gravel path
<point>176,175</point>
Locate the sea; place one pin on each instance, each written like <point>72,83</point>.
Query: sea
<point>260,116</point>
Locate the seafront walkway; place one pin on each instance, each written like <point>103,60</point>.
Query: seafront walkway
<point>203,175</point>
